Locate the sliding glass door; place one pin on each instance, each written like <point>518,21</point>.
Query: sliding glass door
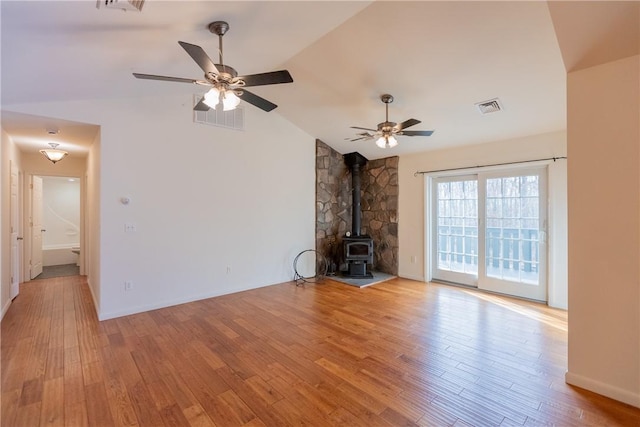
<point>489,231</point>
<point>456,229</point>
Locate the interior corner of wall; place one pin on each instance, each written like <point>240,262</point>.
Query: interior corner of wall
<point>96,301</point>
<point>5,308</point>
<point>626,396</point>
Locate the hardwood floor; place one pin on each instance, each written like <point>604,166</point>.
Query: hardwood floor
<point>397,353</point>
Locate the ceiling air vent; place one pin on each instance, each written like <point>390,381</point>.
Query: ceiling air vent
<point>490,106</point>
<point>125,5</point>
<point>233,119</point>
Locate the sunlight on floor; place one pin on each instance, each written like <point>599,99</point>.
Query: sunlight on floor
<point>558,322</point>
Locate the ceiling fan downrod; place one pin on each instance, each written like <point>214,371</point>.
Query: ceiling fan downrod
<point>386,126</point>
<point>219,28</point>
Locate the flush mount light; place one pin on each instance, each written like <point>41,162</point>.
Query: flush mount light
<point>53,154</point>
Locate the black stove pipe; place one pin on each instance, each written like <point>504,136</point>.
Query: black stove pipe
<point>355,161</point>
<point>356,210</point>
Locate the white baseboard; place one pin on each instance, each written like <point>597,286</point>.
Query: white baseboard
<point>178,301</point>
<point>93,297</point>
<point>607,390</point>
<point>411,277</point>
<point>5,309</point>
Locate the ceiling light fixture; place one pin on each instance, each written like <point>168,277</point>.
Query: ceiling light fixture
<point>53,154</point>
<point>221,94</point>
<point>387,141</point>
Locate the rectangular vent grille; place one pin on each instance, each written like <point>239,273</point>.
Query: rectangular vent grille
<point>490,106</point>
<point>233,119</point>
<point>135,5</point>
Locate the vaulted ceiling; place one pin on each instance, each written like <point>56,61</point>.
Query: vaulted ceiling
<point>438,59</point>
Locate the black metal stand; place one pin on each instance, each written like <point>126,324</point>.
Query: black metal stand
<point>322,265</point>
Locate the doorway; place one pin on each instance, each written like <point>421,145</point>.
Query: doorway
<point>488,230</point>
<point>55,223</point>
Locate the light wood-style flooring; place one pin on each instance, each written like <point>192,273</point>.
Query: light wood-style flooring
<point>400,353</point>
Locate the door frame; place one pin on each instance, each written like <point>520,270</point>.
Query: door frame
<point>15,216</point>
<point>32,236</point>
<point>27,194</point>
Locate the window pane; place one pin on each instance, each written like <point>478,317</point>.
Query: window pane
<point>458,226</point>
<point>512,237</point>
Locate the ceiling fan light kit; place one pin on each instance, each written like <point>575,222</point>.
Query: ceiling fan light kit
<point>215,96</point>
<point>386,142</point>
<point>227,88</point>
<point>387,131</point>
<point>53,154</point>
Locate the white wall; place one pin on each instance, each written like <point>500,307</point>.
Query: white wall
<point>61,212</point>
<point>604,229</point>
<point>4,206</point>
<point>412,201</point>
<point>91,238</point>
<point>204,200</point>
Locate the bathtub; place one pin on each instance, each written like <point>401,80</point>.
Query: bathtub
<point>60,254</point>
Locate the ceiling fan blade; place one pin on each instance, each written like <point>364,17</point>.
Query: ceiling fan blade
<point>256,100</point>
<point>201,106</point>
<point>417,132</point>
<point>406,124</point>
<point>356,127</point>
<point>361,138</point>
<point>200,56</point>
<point>272,78</point>
<point>164,78</point>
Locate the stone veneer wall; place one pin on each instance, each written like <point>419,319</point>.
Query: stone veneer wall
<point>333,201</point>
<point>379,179</point>
<point>380,211</point>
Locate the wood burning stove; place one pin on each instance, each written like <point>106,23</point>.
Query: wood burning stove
<point>358,252</point>
<point>357,247</point>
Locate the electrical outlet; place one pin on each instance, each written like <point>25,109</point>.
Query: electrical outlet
<point>228,269</point>
<point>414,259</point>
<point>128,285</point>
<point>129,227</point>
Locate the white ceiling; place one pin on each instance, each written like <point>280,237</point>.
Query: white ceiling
<point>436,58</point>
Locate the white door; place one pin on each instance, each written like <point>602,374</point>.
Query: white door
<point>455,256</point>
<point>36,226</point>
<point>515,227</point>
<point>15,243</point>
